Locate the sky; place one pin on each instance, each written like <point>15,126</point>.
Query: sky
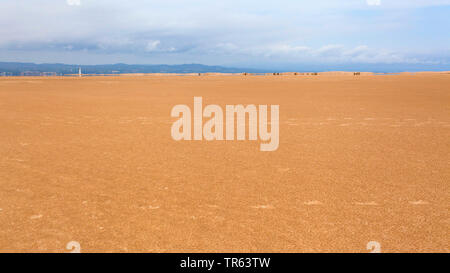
<point>282,34</point>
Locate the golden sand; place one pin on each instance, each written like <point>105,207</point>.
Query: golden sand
<point>91,160</point>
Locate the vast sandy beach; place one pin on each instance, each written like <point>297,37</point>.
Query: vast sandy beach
<point>361,158</point>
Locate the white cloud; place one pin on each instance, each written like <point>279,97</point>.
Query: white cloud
<point>373,2</point>
<point>155,46</point>
<point>287,49</point>
<point>74,2</point>
<point>152,46</point>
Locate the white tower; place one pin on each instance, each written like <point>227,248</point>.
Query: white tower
<point>79,72</point>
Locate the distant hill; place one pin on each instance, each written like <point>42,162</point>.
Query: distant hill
<point>17,69</point>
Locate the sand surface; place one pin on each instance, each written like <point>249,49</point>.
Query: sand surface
<point>91,160</point>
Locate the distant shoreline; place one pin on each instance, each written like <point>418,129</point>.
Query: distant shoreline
<point>327,73</point>
<point>57,69</point>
